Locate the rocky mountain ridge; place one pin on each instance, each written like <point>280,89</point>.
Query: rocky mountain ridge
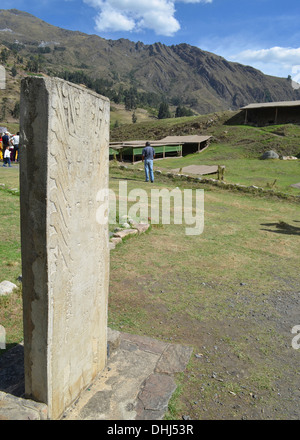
<point>181,74</point>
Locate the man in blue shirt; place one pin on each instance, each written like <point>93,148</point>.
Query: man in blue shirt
<point>148,154</point>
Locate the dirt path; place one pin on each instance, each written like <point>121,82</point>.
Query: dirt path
<point>242,375</point>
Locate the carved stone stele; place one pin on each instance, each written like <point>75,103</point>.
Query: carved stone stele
<point>65,254</point>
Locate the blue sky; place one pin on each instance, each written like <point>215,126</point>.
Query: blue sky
<point>262,33</point>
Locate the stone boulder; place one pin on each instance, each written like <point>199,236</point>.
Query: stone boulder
<point>270,155</point>
<point>124,233</point>
<point>141,227</point>
<point>6,287</point>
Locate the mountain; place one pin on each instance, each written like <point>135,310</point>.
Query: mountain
<point>182,74</point>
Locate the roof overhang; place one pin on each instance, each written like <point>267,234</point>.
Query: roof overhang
<point>272,105</point>
<point>169,140</point>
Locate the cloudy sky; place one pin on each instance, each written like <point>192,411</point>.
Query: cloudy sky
<point>262,33</point>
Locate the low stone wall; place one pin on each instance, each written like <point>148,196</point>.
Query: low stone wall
<point>121,233</point>
<point>252,189</point>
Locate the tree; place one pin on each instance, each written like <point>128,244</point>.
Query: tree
<point>130,99</point>
<point>134,118</point>
<point>16,110</point>
<point>183,111</point>
<point>33,64</point>
<point>176,100</point>
<point>4,108</point>
<point>14,70</point>
<point>4,55</point>
<point>164,112</point>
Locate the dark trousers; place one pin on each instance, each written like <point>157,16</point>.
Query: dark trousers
<point>16,148</point>
<point>5,161</point>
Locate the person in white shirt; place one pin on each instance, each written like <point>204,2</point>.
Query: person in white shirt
<point>15,142</point>
<point>6,158</point>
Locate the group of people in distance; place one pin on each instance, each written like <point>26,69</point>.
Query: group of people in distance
<point>9,148</point>
<point>9,152</point>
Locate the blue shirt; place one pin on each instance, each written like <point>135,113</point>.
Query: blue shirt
<point>5,140</point>
<point>148,153</point>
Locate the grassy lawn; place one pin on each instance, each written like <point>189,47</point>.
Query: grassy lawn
<point>120,116</point>
<point>221,293</point>
<point>276,174</point>
<point>232,293</point>
<point>10,258</point>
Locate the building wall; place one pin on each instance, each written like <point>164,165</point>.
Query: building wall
<point>267,116</point>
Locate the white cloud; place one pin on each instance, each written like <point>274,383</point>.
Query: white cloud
<point>240,48</point>
<point>162,24</point>
<point>279,61</point>
<point>135,15</point>
<point>110,19</point>
<point>274,54</point>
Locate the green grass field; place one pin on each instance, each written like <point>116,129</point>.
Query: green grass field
<point>217,292</point>
<point>276,174</point>
<point>239,148</point>
<point>119,116</point>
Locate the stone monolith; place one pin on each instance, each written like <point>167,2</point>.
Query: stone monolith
<point>2,78</point>
<point>64,153</point>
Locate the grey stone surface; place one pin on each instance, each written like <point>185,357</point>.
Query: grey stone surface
<point>270,155</point>
<point>2,338</point>
<point>119,234</point>
<point>125,232</point>
<point>6,287</point>
<point>65,252</point>
<point>141,227</point>
<point>174,359</point>
<point>2,78</point>
<point>129,388</point>
<point>144,343</point>
<point>154,397</point>
<point>119,384</point>
<point>113,340</point>
<point>15,408</point>
<point>98,404</point>
<point>116,240</point>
